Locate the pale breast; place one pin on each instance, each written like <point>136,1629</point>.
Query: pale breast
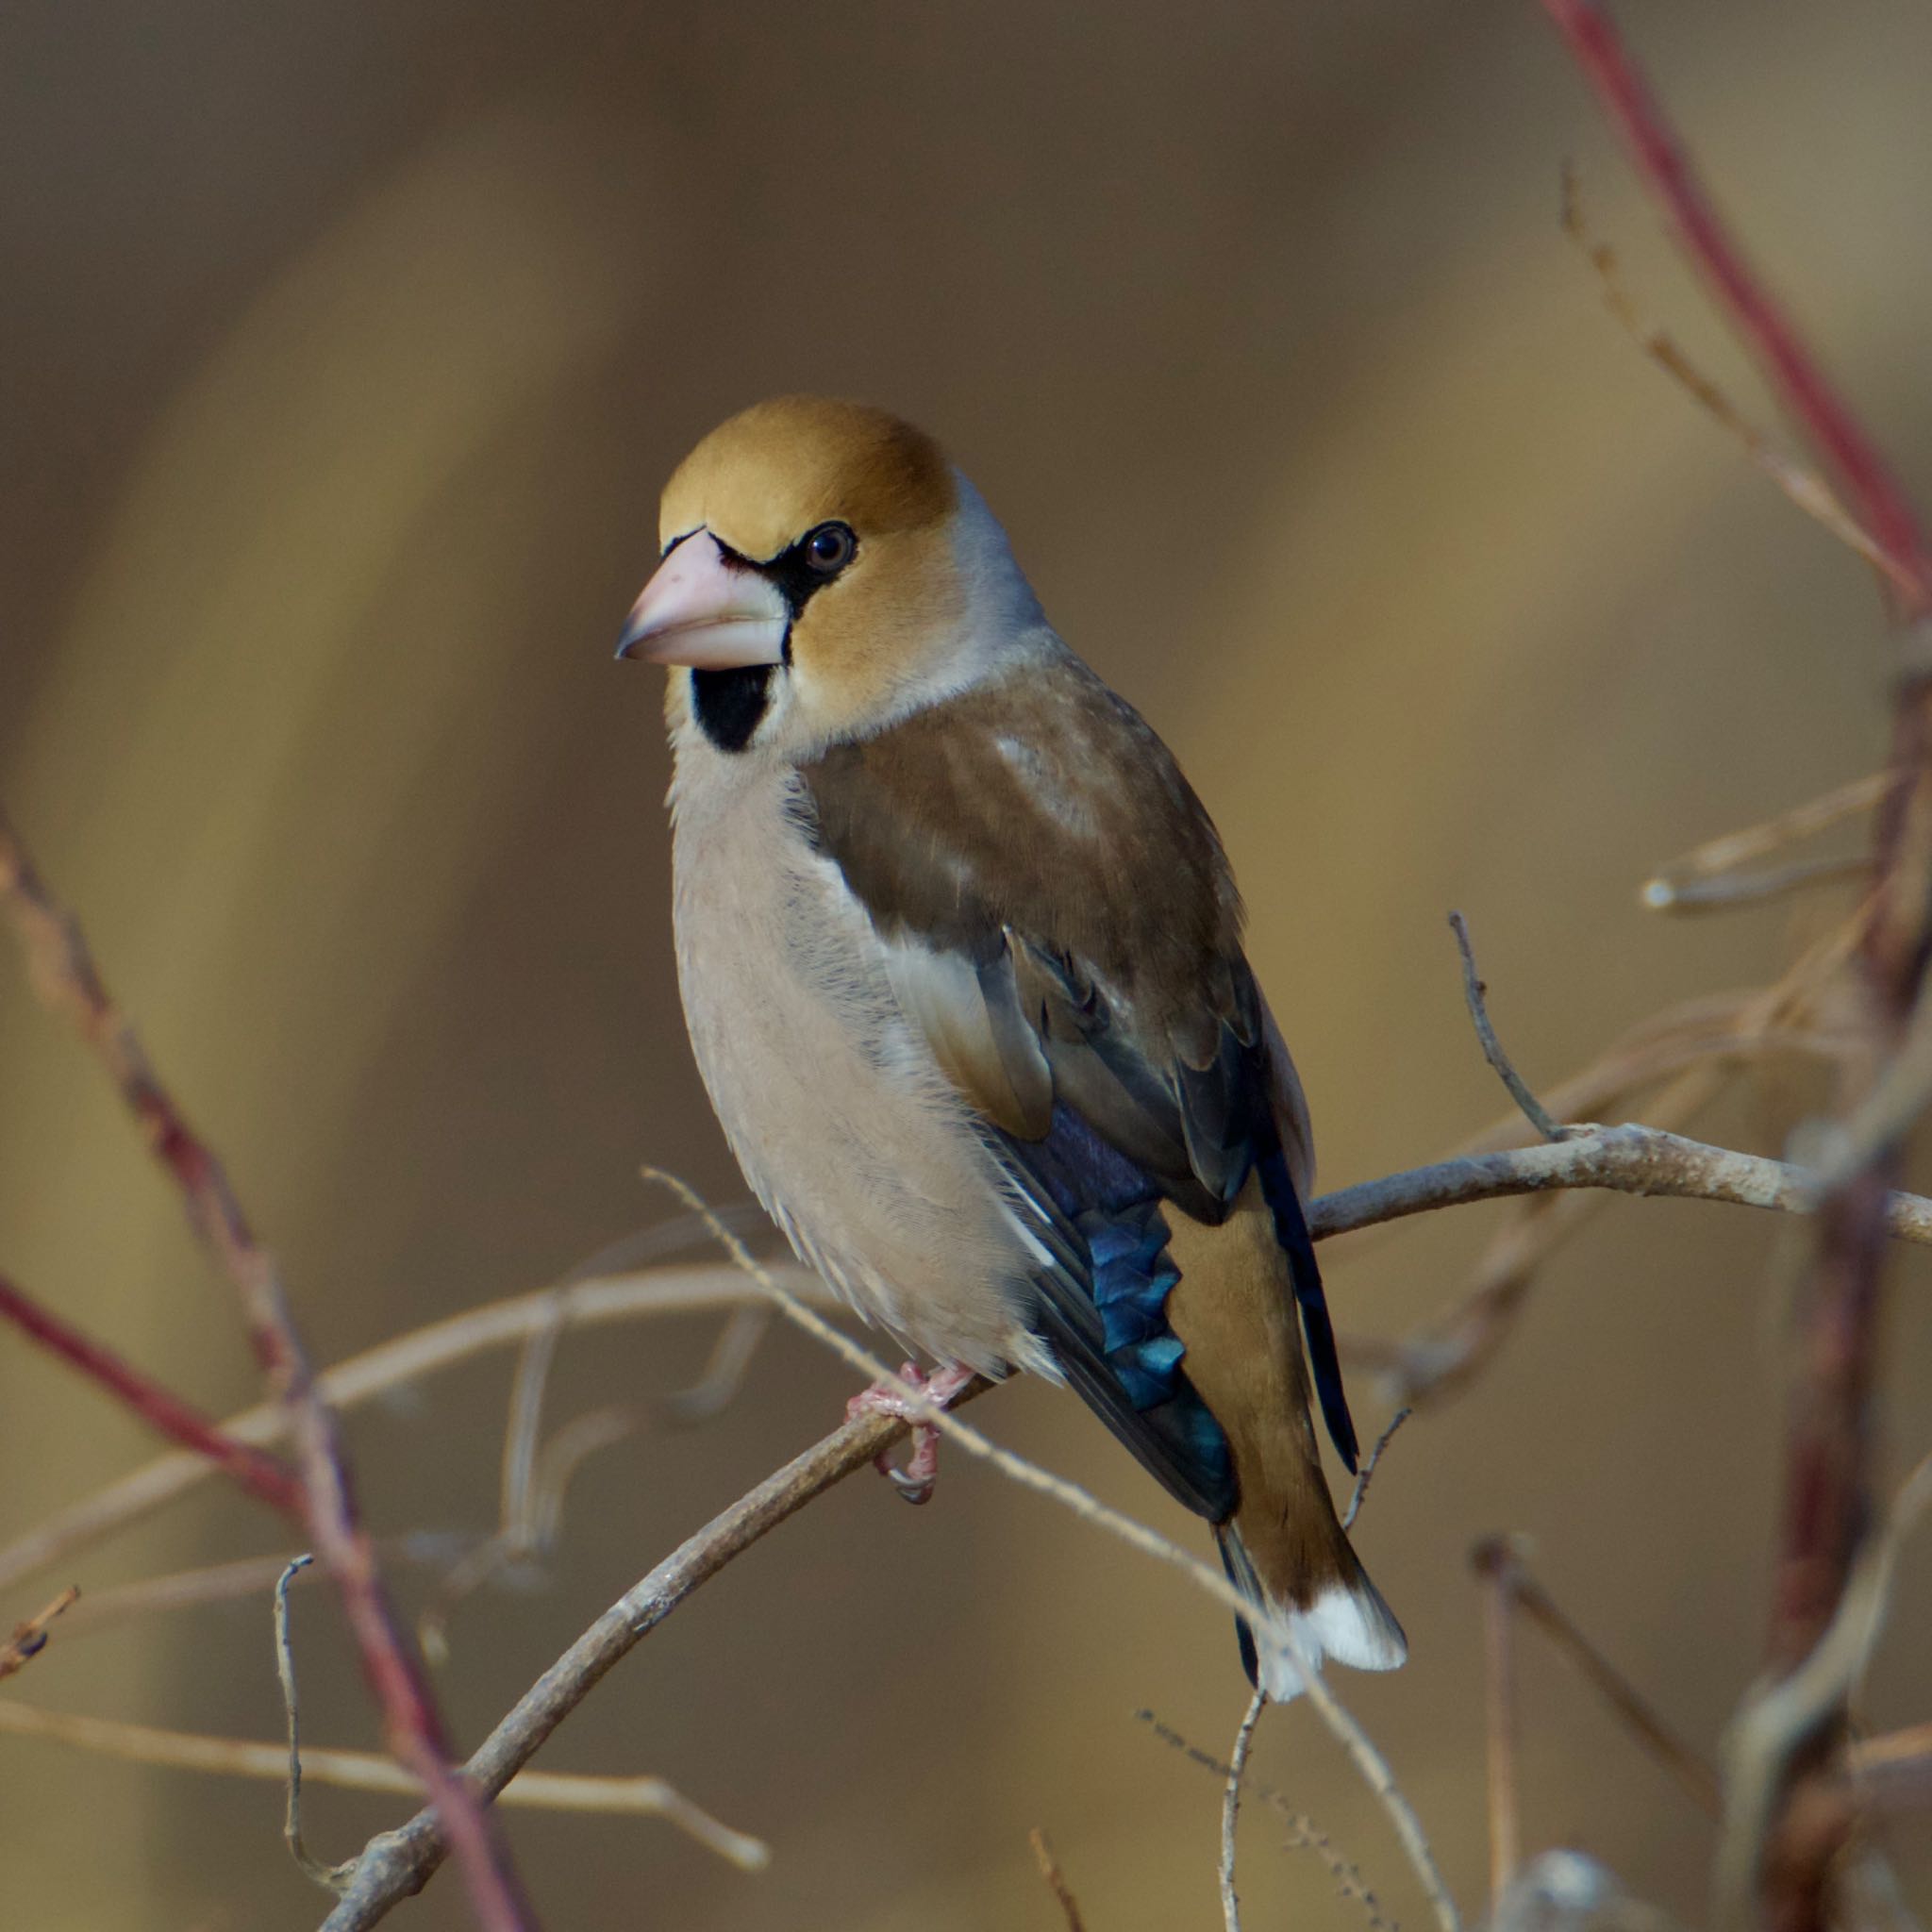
<point>845,1127</point>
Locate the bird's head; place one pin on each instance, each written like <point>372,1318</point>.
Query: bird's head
<point>825,571</point>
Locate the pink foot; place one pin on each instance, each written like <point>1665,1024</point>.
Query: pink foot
<point>915,1481</point>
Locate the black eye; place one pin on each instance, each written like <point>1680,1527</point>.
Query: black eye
<point>828,549</point>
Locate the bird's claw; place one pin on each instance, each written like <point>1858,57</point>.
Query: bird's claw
<point>916,1480</point>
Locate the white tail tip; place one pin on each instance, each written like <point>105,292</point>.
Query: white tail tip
<point>1351,1624</point>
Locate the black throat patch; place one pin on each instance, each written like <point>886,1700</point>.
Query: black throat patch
<point>731,704</point>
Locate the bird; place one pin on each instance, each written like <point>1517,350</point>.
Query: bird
<point>961,957</point>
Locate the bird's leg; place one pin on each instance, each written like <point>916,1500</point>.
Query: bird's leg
<point>915,1481</point>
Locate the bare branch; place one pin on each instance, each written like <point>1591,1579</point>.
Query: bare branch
<point>1627,1160</point>
<point>400,1862</point>
<point>1375,1773</point>
<point>1750,888</point>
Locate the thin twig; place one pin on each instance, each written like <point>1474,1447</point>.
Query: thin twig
<point>1495,1561</point>
<point>1374,1770</point>
<point>1716,857</point>
<point>1474,992</point>
<point>1750,888</point>
<point>1659,160</point>
<point>1805,488</point>
<point>513,1541</point>
<point>1232,1806</point>
<point>577,1439</point>
<point>330,1878</point>
<point>1303,1834</point>
<point>64,973</point>
<point>246,1577</point>
<point>521,1431</point>
<point>30,1636</point>
<point>1703,1043</point>
<point>266,1477</point>
<point>1366,1474</point>
<point>1698,1779</point>
<point>1447,1353</point>
<point>723,1373</point>
<point>369,1771</point>
<point>1056,1879</point>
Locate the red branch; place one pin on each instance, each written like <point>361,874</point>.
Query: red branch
<point>265,1476</point>
<point>1826,1502</point>
<point>64,974</point>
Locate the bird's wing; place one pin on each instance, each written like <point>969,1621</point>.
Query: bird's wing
<point>1059,922</point>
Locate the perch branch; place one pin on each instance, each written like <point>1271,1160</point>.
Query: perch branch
<point>399,1863</point>
<point>1627,1160</point>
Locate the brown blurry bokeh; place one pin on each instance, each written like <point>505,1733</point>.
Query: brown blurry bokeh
<point>342,353</point>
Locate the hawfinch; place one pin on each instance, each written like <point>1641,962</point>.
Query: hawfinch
<point>962,960</point>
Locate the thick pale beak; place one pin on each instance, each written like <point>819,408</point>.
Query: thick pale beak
<point>703,611</point>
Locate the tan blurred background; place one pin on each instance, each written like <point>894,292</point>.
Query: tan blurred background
<point>342,353</point>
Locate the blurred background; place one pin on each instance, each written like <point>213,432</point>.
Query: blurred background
<point>342,355</point>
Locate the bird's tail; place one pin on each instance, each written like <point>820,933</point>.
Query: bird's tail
<point>1330,1608</point>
